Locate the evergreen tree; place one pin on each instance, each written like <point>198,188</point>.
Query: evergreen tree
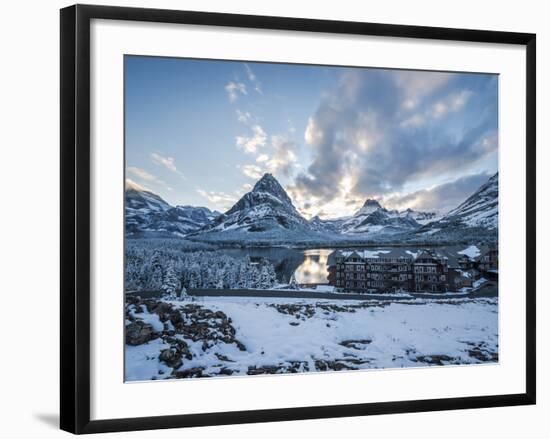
<point>170,282</point>
<point>293,284</point>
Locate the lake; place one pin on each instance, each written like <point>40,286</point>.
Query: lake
<point>307,265</point>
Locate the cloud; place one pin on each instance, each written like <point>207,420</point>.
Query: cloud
<point>251,144</point>
<point>147,176</point>
<point>167,162</point>
<point>283,157</point>
<point>243,116</point>
<point>441,198</point>
<point>253,79</point>
<point>439,109</point>
<point>252,171</point>
<point>221,199</point>
<point>281,162</point>
<point>291,127</point>
<point>452,102</point>
<point>141,173</point>
<point>233,89</point>
<point>416,85</point>
<point>131,184</point>
<point>361,132</point>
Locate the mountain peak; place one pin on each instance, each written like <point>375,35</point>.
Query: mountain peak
<point>372,203</point>
<point>265,211</point>
<point>270,185</point>
<point>266,183</point>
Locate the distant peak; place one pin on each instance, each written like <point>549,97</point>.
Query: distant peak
<point>371,203</point>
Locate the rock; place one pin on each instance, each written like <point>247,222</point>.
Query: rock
<point>324,365</point>
<point>222,357</point>
<point>241,346</point>
<point>162,309</point>
<point>260,370</point>
<point>356,344</point>
<point>171,357</point>
<point>194,372</point>
<point>438,360</point>
<point>483,355</point>
<point>139,332</point>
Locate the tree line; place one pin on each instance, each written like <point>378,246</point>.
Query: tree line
<point>170,270</point>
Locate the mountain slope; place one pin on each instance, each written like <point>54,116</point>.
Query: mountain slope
<point>147,214</point>
<point>140,199</point>
<point>332,226</point>
<point>373,219</point>
<point>476,216</point>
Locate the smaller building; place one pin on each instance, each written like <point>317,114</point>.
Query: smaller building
<point>487,263</point>
<point>430,273</point>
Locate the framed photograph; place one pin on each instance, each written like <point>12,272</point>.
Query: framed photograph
<point>268,218</point>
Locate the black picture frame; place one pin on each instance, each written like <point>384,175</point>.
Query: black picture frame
<point>75,217</point>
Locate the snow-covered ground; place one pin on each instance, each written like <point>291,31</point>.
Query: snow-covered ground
<point>240,336</point>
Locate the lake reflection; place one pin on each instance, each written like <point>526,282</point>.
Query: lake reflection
<point>307,266</point>
<point>313,270</point>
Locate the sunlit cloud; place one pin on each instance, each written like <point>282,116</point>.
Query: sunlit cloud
<point>251,144</point>
<point>262,158</point>
<point>141,173</point>
<point>167,162</point>
<point>131,184</point>
<point>148,177</point>
<point>362,130</point>
<point>252,171</point>
<point>283,157</point>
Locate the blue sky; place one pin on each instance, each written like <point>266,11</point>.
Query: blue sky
<point>202,132</point>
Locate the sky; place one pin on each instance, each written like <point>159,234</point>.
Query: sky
<point>202,132</point>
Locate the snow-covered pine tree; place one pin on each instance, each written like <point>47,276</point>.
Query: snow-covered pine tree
<point>170,283</point>
<point>266,281</point>
<point>183,294</point>
<point>244,275</point>
<point>272,276</point>
<point>293,283</point>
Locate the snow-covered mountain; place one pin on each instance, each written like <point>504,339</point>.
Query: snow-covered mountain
<point>477,215</point>
<point>420,217</point>
<point>140,199</point>
<point>147,214</point>
<point>327,225</point>
<point>264,213</point>
<point>372,218</point>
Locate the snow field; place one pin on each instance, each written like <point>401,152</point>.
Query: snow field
<point>280,333</point>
